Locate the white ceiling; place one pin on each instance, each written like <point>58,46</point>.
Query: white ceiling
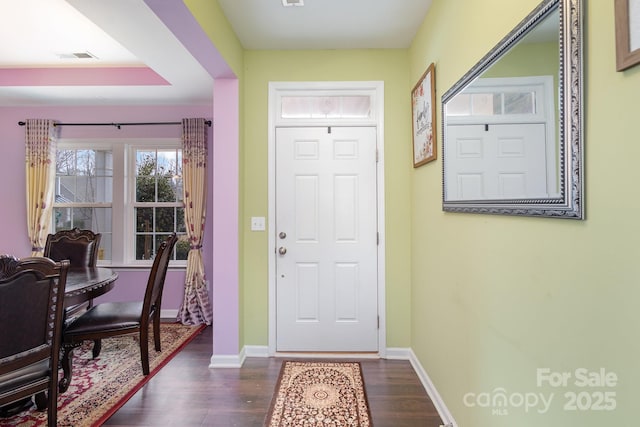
<point>39,34</point>
<point>325,24</point>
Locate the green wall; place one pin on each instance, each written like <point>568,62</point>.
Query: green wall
<point>495,298</point>
<point>389,66</point>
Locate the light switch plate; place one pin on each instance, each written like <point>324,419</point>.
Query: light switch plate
<point>257,223</point>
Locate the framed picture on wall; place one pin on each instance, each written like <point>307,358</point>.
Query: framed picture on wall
<point>627,33</point>
<point>423,112</point>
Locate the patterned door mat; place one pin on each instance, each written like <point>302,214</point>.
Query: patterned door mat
<point>319,394</point>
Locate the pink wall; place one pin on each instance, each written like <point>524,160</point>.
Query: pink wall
<point>13,228</point>
<point>220,244</point>
<point>224,192</point>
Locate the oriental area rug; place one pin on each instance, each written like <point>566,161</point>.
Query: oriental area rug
<point>328,394</point>
<point>100,386</point>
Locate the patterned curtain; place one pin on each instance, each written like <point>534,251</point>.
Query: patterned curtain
<point>195,308</point>
<point>41,171</point>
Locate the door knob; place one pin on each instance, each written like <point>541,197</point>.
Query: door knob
<point>282,250</point>
<point>282,235</point>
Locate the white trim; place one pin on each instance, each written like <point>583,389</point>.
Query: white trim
<point>256,351</point>
<point>169,313</point>
<point>376,90</point>
<point>398,353</point>
<point>227,360</point>
<point>438,402</point>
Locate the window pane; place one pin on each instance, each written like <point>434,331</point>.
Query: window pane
<point>168,174</point>
<point>84,176</point>
<point>167,162</point>
<point>144,220</point>
<point>179,190</point>
<point>165,218</point>
<point>62,219</point>
<point>145,163</point>
<point>144,246</point>
<point>166,189</point>
<point>102,220</point>
<point>459,105</point>
<point>103,190</point>
<point>65,189</point>
<point>85,164</point>
<point>104,253</point>
<point>182,247</point>
<point>85,189</point>
<point>159,176</point>
<point>356,106</point>
<point>519,103</point>
<point>158,180</point>
<point>98,220</point>
<point>483,104</point>
<point>158,241</point>
<point>145,189</point>
<point>65,162</point>
<point>179,164</point>
<point>181,227</point>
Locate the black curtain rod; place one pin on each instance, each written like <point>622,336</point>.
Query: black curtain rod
<point>118,125</point>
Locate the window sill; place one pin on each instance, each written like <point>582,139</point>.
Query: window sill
<point>140,267</point>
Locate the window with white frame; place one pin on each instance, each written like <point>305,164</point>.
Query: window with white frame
<point>129,191</point>
<point>84,193</point>
<point>157,206</point>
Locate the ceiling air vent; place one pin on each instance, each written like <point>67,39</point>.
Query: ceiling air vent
<point>76,55</point>
<point>287,3</point>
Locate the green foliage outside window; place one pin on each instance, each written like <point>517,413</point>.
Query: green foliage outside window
<point>159,182</point>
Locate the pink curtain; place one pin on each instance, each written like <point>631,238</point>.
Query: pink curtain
<point>195,308</point>
<point>40,145</point>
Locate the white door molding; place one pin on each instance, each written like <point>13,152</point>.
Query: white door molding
<point>376,91</point>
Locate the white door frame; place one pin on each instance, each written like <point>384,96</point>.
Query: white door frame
<point>376,90</point>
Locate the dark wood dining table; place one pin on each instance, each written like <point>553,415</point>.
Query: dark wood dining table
<point>87,283</point>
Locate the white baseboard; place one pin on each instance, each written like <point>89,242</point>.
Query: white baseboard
<point>227,360</point>
<point>443,411</point>
<point>169,314</point>
<point>256,350</point>
<point>398,353</point>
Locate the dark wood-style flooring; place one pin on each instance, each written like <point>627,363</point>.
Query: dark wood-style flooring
<point>186,392</point>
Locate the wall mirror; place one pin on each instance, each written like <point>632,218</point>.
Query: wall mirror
<point>512,125</point>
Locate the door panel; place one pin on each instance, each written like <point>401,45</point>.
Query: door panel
<point>326,283</point>
<point>500,161</point>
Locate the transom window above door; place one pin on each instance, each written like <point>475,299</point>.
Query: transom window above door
<point>326,107</point>
<point>319,104</point>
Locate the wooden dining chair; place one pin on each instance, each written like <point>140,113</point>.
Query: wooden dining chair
<point>120,318</point>
<point>31,316</point>
<point>78,246</point>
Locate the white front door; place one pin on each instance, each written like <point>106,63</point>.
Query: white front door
<point>326,239</point>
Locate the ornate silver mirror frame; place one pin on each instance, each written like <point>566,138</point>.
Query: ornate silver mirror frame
<point>566,201</point>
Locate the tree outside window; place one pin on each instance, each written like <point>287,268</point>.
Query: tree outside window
<point>158,202</point>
